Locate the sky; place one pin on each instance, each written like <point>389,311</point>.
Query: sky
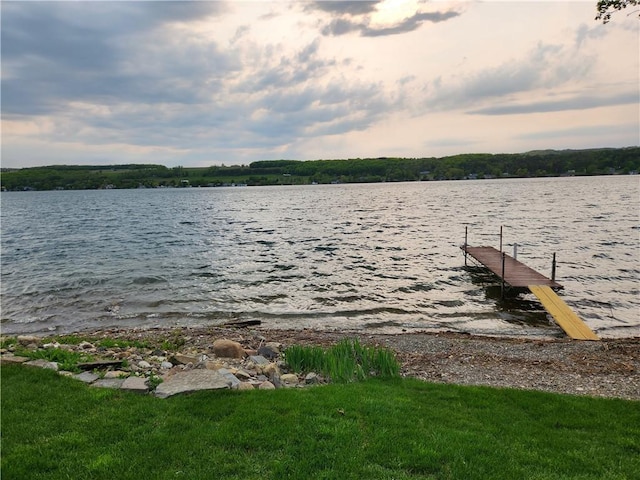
<point>227,83</point>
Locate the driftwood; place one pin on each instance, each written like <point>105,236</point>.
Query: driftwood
<point>99,364</point>
<point>242,324</point>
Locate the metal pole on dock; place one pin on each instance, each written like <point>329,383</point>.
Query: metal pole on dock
<point>502,277</point>
<point>553,268</point>
<point>500,238</point>
<point>465,245</point>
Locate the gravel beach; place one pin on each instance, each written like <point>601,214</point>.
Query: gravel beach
<point>605,368</point>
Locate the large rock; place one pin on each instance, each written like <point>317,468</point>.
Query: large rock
<point>228,349</point>
<point>191,381</point>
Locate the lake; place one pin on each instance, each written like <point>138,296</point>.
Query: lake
<point>383,258</point>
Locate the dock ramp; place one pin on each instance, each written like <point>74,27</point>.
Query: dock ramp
<point>563,315</point>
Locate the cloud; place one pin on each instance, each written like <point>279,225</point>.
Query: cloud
<point>576,102</point>
<point>590,131</point>
<point>357,16</point>
<point>357,7</point>
<point>55,52</point>
<point>547,66</point>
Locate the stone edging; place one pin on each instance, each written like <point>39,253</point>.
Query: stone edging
<point>226,365</point>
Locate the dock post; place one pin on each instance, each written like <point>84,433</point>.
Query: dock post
<point>465,245</point>
<point>553,268</point>
<point>500,238</point>
<point>515,251</point>
<point>502,276</point>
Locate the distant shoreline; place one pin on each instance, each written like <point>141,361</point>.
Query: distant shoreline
<point>474,166</point>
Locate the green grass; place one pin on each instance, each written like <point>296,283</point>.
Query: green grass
<point>344,362</point>
<point>54,427</point>
<point>98,342</point>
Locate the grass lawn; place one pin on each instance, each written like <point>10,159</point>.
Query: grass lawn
<point>55,427</point>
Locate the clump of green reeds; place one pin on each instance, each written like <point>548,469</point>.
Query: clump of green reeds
<point>344,362</point>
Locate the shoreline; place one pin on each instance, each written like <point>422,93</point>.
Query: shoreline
<point>605,368</point>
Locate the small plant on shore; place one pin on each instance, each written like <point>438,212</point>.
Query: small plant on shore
<point>8,342</point>
<point>153,381</point>
<point>121,343</point>
<point>346,361</point>
<point>66,339</point>
<point>174,342</point>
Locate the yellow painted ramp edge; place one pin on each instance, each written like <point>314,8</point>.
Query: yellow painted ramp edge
<point>562,313</point>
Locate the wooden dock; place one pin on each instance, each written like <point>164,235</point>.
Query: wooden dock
<point>516,274</point>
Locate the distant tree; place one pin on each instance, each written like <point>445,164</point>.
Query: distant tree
<point>608,7</point>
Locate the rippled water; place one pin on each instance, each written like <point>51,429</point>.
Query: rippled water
<point>383,257</point>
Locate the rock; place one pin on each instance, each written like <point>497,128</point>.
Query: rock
<point>230,376</point>
<point>42,364</point>
<point>49,346</point>
<point>166,365</point>
<point>27,339</point>
<point>267,386</point>
<point>243,375</point>
<point>115,374</point>
<point>191,381</point>
<point>108,383</point>
<point>85,346</point>
<point>311,378</point>
<point>228,349</point>
<point>135,384</point>
<point>213,365</point>
<point>181,359</point>
<point>13,359</point>
<point>267,352</point>
<point>86,377</point>
<point>289,379</point>
<point>259,360</point>
<point>245,386</point>
<point>271,370</point>
<point>144,364</point>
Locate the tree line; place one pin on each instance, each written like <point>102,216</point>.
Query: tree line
<point>547,163</point>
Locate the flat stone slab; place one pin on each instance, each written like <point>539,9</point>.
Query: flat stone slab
<point>191,381</point>
<point>9,358</point>
<point>108,383</point>
<point>41,363</point>
<point>135,384</point>
<point>86,377</point>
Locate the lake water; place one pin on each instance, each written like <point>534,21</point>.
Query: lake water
<point>376,257</point>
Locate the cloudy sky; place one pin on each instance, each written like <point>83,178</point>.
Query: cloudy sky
<point>209,83</point>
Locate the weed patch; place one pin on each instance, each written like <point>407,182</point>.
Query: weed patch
<point>346,361</point>
<point>66,359</point>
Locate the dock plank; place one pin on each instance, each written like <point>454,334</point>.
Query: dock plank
<point>562,313</point>
<point>516,273</point>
